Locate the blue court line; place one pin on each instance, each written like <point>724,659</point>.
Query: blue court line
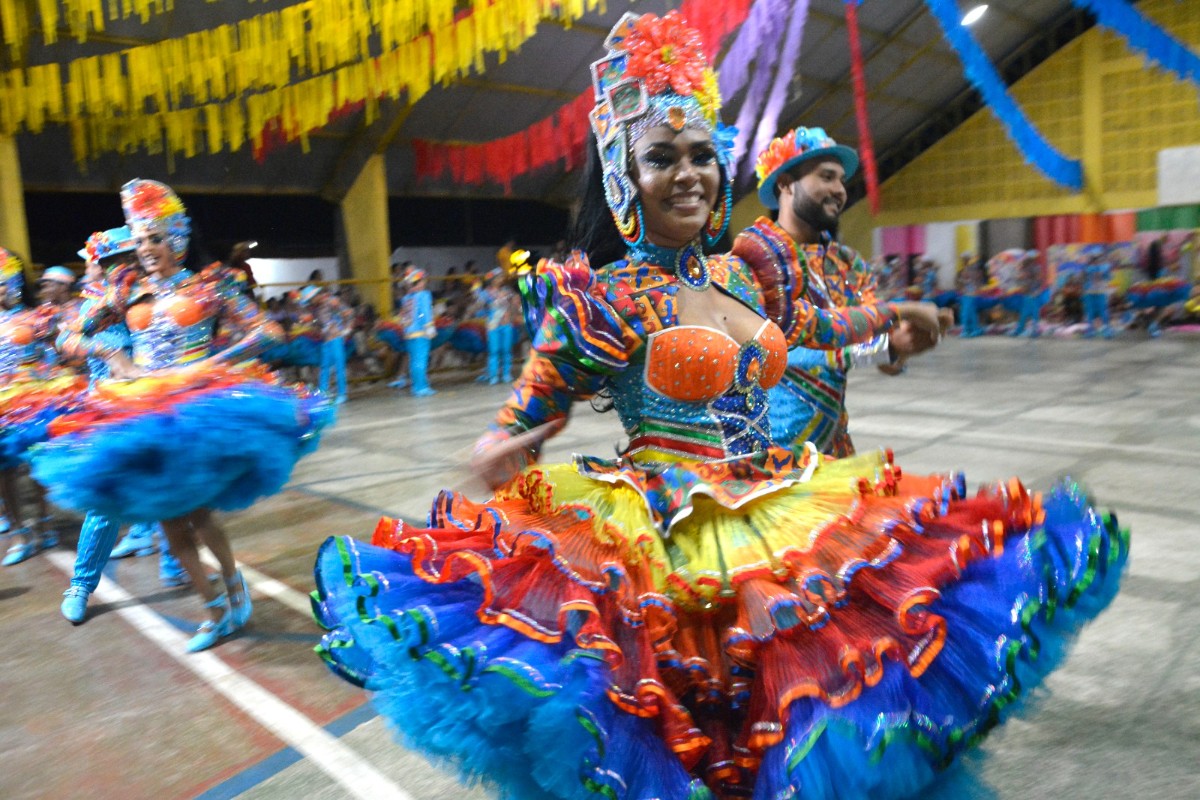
<point>272,765</point>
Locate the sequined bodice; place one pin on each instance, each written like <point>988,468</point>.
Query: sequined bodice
<point>692,391</point>
<point>172,322</point>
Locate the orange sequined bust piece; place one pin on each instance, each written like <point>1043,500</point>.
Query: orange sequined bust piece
<point>696,364</point>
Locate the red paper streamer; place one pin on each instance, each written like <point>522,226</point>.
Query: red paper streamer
<point>562,136</point>
<point>866,149</point>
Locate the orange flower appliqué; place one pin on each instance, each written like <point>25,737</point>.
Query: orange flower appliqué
<point>664,52</point>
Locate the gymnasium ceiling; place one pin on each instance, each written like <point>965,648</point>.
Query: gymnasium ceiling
<point>916,84</point>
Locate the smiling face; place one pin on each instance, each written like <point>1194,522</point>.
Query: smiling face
<point>677,176</point>
<point>814,198</point>
<point>154,253</point>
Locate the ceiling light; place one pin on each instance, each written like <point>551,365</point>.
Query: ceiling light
<point>974,15</point>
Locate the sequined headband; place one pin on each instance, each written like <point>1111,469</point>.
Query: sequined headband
<point>12,272</point>
<point>655,74</point>
<point>153,206</point>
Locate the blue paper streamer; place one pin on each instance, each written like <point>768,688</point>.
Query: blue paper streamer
<point>1144,36</point>
<point>983,76</point>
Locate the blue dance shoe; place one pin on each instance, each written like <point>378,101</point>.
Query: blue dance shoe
<point>74,604</point>
<point>24,551</point>
<point>209,632</point>
<point>5,525</point>
<point>170,573</point>
<point>242,607</point>
<point>138,542</point>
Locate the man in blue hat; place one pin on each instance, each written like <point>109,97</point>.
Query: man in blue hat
<point>802,174</point>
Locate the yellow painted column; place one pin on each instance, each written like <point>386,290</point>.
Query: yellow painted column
<point>1091,120</point>
<point>365,222</point>
<point>14,228</point>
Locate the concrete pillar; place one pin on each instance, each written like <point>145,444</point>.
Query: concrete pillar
<point>365,223</point>
<point>14,229</point>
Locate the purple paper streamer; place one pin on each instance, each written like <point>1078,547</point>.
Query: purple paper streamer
<point>735,66</point>
<point>783,79</point>
<point>769,48</point>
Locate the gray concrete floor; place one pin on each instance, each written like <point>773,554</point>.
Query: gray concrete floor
<point>1120,718</point>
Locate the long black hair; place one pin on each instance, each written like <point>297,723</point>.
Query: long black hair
<point>594,231</point>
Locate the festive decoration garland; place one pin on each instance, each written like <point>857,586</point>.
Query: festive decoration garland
<point>561,137</point>
<point>983,76</point>
<point>238,75</point>
<point>770,45</point>
<point>866,148</point>
<point>1144,36</point>
<point>758,28</point>
<point>392,20</point>
<point>788,60</point>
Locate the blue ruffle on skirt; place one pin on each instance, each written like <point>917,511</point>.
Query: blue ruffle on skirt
<point>533,718</point>
<point>222,449</point>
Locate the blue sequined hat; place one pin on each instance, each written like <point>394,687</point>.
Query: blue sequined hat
<point>102,244</point>
<point>792,148</point>
<point>58,275</point>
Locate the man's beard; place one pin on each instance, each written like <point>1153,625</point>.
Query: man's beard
<point>814,214</point>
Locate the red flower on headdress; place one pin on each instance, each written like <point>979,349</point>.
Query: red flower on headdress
<point>665,52</point>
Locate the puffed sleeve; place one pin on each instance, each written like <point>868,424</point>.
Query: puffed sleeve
<point>241,316</point>
<point>79,338</point>
<point>578,340</point>
<point>781,273</point>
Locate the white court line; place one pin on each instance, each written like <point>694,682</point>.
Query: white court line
<point>264,584</point>
<point>1035,441</point>
<point>357,777</point>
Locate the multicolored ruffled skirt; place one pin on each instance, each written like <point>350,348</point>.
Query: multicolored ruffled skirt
<point>770,627</point>
<point>29,402</point>
<point>178,440</point>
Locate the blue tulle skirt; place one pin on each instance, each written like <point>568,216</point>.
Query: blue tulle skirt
<point>18,437</point>
<point>222,449</point>
<point>533,717</point>
<point>302,351</point>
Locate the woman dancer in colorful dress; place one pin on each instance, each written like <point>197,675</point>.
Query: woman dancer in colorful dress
<point>32,392</point>
<point>707,615</point>
<point>171,314</point>
<point>106,250</point>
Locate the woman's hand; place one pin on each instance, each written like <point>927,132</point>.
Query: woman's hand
<point>122,368</point>
<point>496,464</point>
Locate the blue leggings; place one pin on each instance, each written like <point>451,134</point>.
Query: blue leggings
<point>500,346</point>
<point>970,315</point>
<point>1095,307</point>
<point>96,540</point>
<point>333,356</point>
<point>418,362</point>
<point>1031,307</point>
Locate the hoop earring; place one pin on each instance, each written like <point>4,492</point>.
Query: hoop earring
<point>718,220</point>
<point>633,229</point>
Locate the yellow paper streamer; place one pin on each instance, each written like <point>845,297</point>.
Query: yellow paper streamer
<point>222,88</point>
